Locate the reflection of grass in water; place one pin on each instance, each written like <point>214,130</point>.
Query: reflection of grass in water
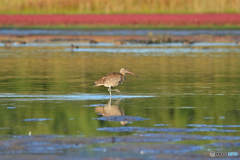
<point>198,142</point>
<point>72,118</point>
<point>204,142</point>
<point>170,78</point>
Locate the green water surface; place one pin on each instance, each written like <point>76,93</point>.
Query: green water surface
<point>48,89</point>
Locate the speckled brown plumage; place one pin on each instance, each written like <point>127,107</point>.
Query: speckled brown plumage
<point>110,80</point>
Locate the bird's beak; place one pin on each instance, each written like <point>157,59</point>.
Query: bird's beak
<point>132,73</point>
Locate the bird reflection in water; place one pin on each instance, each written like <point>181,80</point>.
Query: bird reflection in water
<point>110,110</point>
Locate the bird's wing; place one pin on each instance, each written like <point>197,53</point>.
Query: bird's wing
<point>113,79</point>
<point>100,81</point>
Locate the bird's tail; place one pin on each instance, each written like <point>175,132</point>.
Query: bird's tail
<point>97,84</point>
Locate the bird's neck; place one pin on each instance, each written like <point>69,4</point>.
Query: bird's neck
<point>123,73</point>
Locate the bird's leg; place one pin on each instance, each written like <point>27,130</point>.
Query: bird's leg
<point>109,89</point>
<point>117,90</point>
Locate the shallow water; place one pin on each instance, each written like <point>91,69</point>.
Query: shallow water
<point>47,89</point>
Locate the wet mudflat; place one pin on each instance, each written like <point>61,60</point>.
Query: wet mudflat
<point>184,104</point>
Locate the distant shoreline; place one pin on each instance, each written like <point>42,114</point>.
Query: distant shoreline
<point>112,39</point>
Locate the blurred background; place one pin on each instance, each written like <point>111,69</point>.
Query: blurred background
<point>118,6</point>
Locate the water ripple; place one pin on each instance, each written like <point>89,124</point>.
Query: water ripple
<point>20,97</point>
<point>143,129</point>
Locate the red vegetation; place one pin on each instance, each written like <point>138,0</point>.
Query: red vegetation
<point>122,19</point>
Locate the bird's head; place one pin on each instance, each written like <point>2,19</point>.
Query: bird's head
<point>124,70</point>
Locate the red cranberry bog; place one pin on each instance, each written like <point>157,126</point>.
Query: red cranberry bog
<point>124,20</point>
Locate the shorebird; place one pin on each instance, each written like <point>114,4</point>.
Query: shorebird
<point>187,43</point>
<point>118,43</point>
<point>9,44</point>
<point>19,42</point>
<point>73,47</point>
<point>92,41</point>
<point>113,79</point>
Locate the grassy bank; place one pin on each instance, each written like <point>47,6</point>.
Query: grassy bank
<point>118,6</point>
